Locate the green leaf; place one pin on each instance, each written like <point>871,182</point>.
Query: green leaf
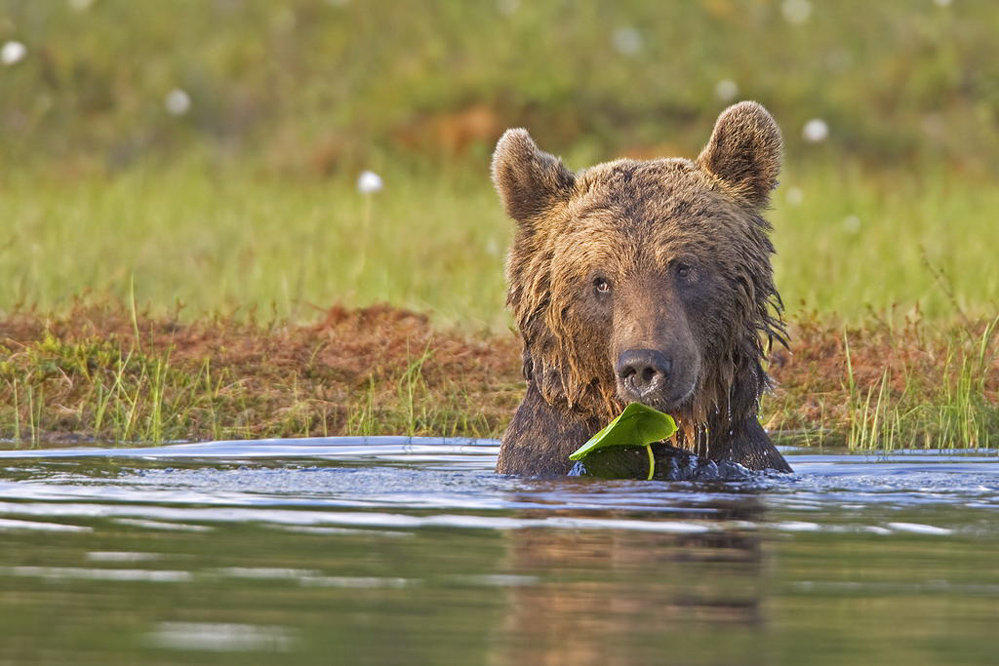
<point>637,425</point>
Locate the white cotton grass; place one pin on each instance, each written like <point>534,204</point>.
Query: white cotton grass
<point>81,5</point>
<point>507,7</point>
<point>796,12</point>
<point>815,130</point>
<point>794,196</point>
<point>177,102</point>
<point>942,3</point>
<point>369,182</point>
<point>726,90</point>
<point>12,52</point>
<point>851,224</point>
<point>627,41</point>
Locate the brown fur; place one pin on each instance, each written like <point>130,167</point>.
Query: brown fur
<point>684,254</point>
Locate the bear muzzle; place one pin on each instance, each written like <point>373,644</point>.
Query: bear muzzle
<point>643,371</point>
<point>651,377</point>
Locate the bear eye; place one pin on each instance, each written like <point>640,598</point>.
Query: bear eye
<point>601,285</point>
<point>682,271</point>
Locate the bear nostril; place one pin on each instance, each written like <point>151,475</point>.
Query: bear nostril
<point>642,371</point>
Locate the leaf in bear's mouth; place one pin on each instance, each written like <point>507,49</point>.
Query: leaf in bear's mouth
<point>637,425</point>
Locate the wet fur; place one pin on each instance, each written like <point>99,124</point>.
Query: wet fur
<point>637,221</point>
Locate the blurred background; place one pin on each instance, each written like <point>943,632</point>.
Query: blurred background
<point>205,152</point>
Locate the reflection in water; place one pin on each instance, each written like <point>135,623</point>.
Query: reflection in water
<point>632,597</point>
<point>219,637</point>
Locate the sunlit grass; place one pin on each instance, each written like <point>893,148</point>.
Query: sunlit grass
<point>885,387</point>
<point>861,243</point>
<point>93,376</point>
<point>850,243</point>
<point>238,242</point>
<point>122,394</point>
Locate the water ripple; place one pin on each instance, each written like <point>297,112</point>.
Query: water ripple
<point>410,483</point>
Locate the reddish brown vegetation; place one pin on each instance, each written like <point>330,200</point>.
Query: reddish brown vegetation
<point>356,371</point>
<point>450,134</point>
<point>359,371</point>
<point>921,367</point>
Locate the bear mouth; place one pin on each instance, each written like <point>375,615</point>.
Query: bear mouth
<point>661,397</point>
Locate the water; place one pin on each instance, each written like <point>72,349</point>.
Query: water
<point>398,551</point>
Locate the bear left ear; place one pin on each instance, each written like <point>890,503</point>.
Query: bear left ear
<point>745,152</point>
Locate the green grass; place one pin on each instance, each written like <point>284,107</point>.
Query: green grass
<point>107,374</point>
<point>412,408</point>
<point>956,414</point>
<point>122,395</point>
<point>884,386</point>
<point>865,242</point>
<point>235,241</point>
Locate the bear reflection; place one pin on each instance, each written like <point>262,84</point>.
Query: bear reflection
<point>626,596</point>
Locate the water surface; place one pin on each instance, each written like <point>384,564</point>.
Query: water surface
<point>393,550</point>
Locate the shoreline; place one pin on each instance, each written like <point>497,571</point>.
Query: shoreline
<point>106,373</point>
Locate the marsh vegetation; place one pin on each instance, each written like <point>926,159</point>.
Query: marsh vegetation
<point>186,254</point>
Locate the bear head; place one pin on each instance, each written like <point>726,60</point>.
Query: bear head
<point>647,281</point>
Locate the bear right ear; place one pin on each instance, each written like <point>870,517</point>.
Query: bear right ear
<point>529,180</point>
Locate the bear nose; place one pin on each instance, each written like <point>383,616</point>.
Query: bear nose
<point>642,371</point>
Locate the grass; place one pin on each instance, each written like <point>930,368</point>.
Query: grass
<point>850,242</point>
<point>920,385</point>
<point>87,376</point>
<point>121,395</point>
<point>112,375</point>
<point>141,250</point>
<point>234,241</point>
<point>909,288</point>
<point>869,242</point>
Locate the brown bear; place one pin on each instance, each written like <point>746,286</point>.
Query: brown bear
<point>644,281</point>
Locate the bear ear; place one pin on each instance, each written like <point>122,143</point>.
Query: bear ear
<point>529,180</point>
<point>745,152</point>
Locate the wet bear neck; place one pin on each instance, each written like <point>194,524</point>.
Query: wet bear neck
<point>541,436</point>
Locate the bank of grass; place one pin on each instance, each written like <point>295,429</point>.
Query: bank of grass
<point>888,385</point>
<point>192,302</point>
<point>107,374</point>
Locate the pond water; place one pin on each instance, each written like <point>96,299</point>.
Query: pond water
<point>412,551</point>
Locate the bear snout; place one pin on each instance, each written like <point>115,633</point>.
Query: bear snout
<point>662,378</point>
<point>642,372</point>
